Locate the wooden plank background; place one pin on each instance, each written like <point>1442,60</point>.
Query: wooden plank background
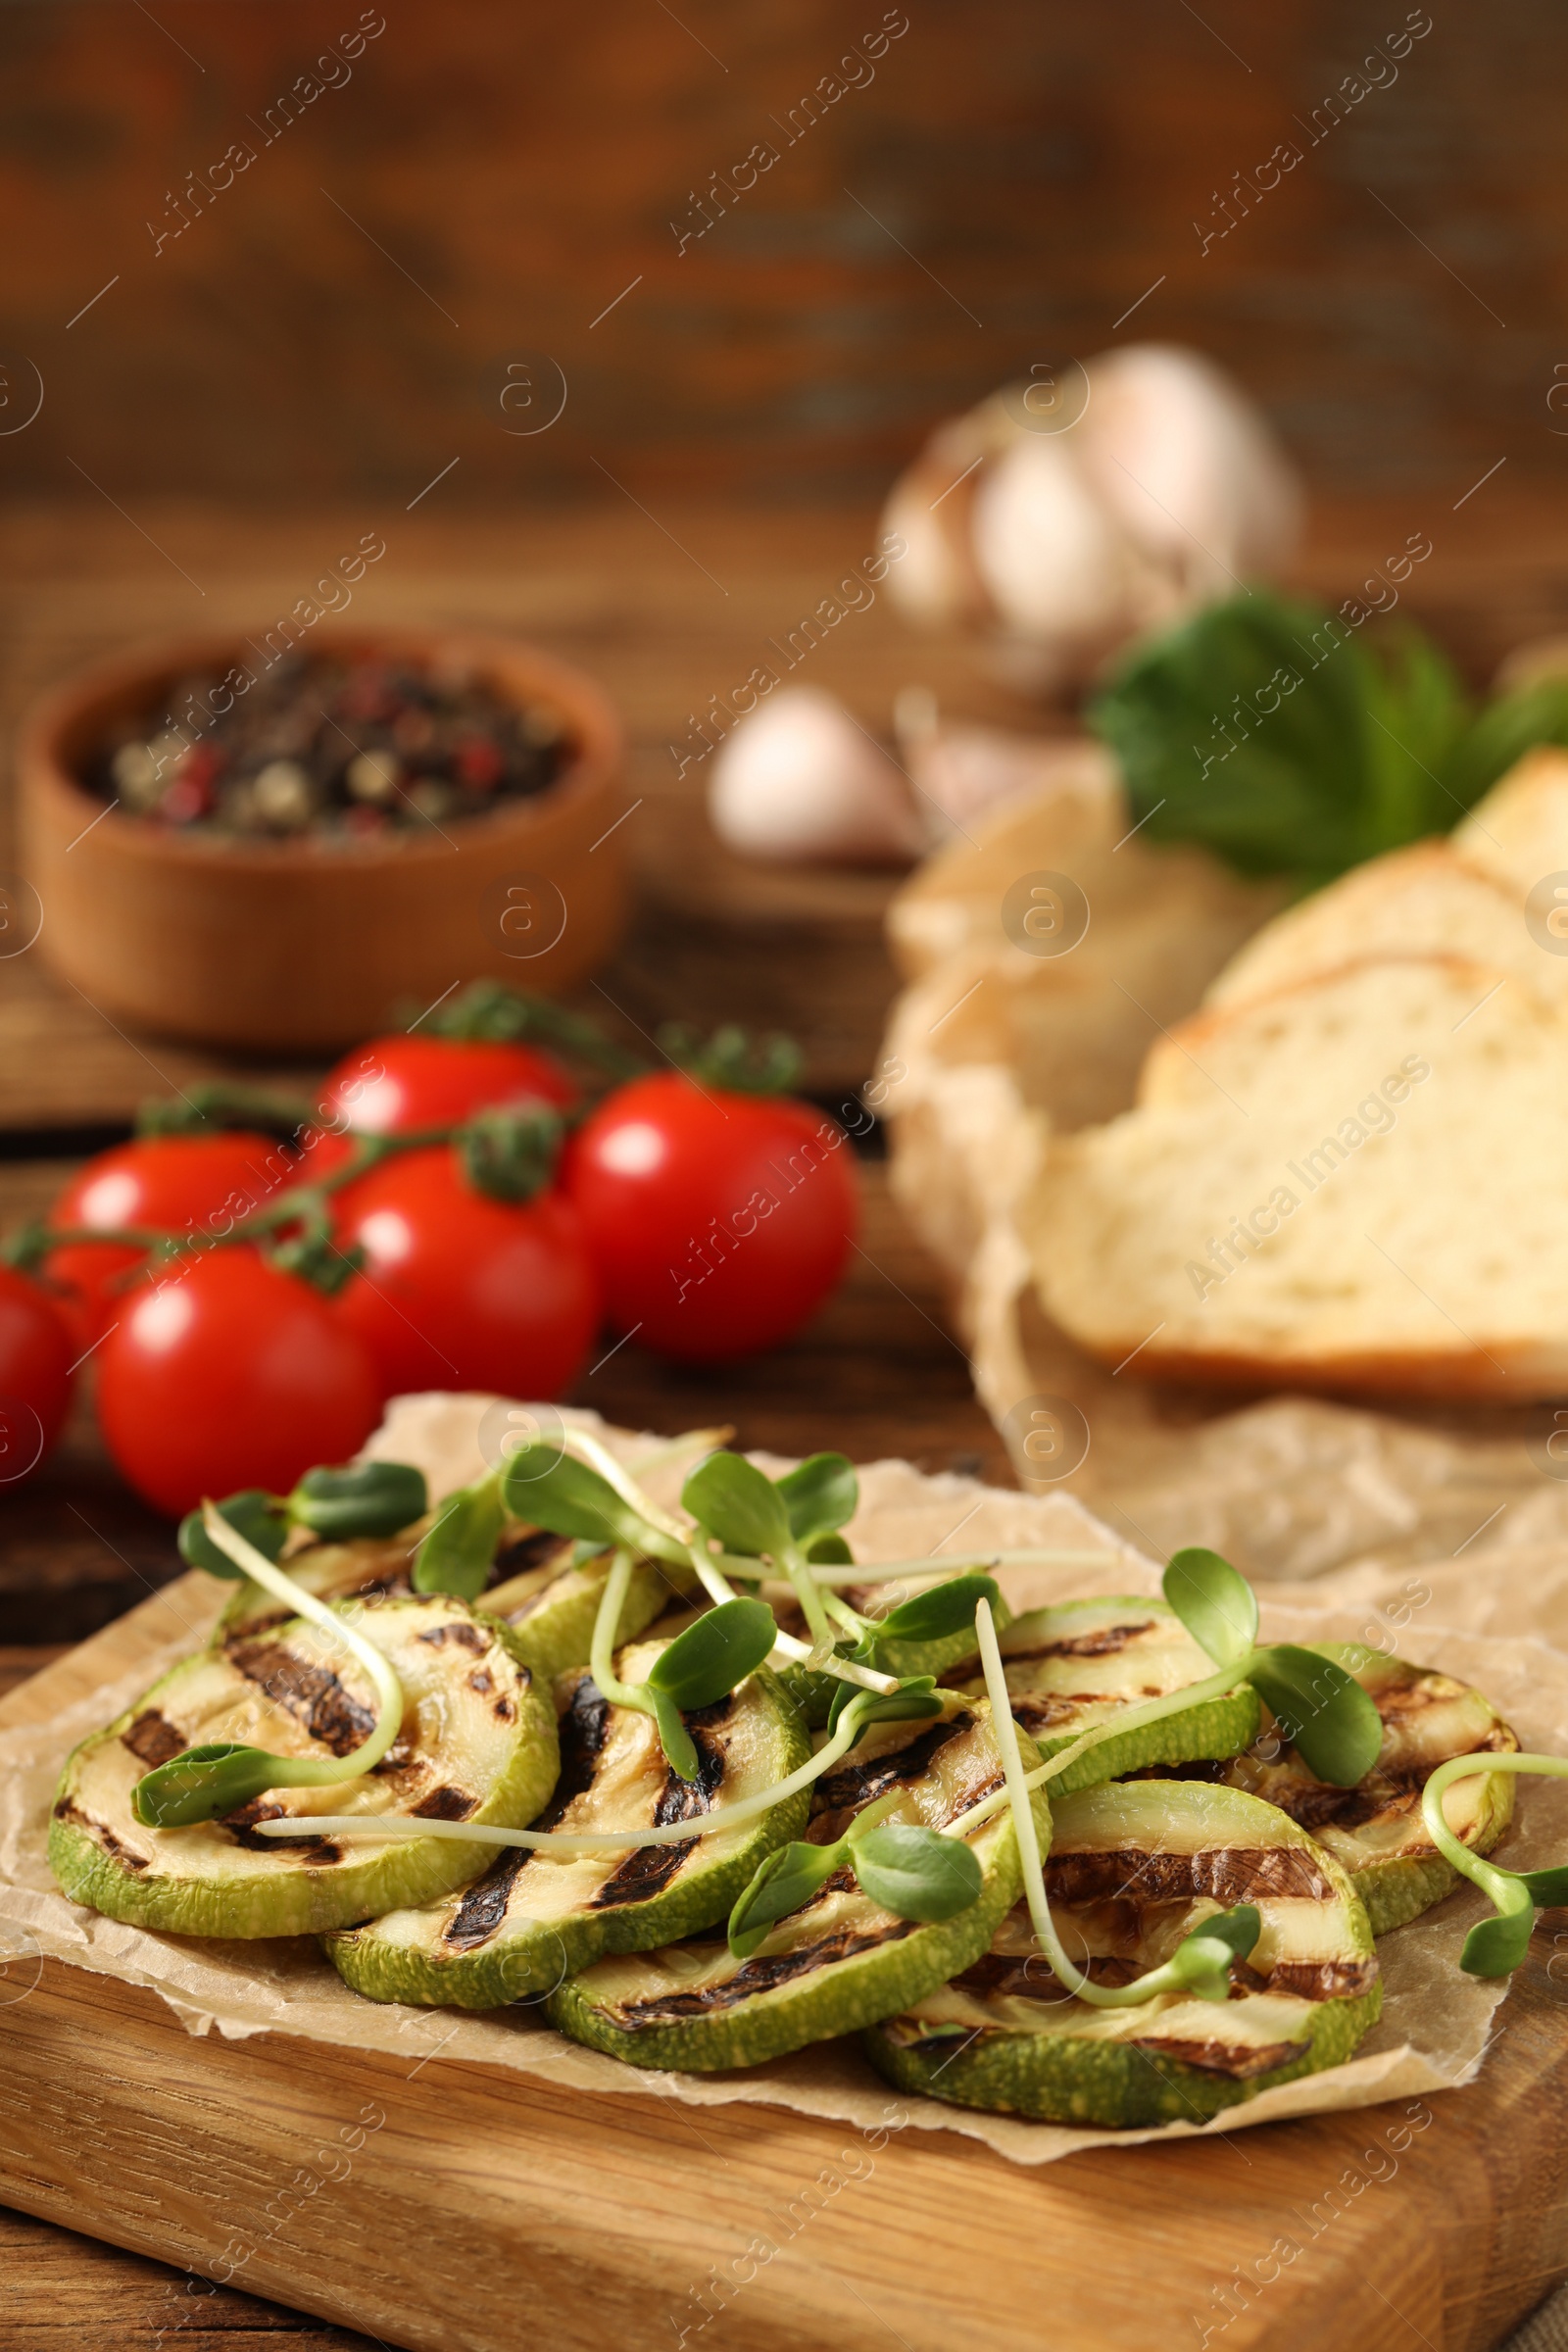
<point>483,182</point>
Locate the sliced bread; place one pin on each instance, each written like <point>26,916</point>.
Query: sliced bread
<point>1353,1184</point>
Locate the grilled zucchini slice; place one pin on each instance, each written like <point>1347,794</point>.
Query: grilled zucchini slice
<point>530,1921</point>
<point>549,1603</point>
<point>1133,1867</point>
<point>1073,1667</point>
<point>1375,1830</point>
<point>841,1960</point>
<point>477,1744</point>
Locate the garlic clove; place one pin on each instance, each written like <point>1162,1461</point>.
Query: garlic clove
<point>799,782</point>
<point>1062,570</point>
<point>1188,466</point>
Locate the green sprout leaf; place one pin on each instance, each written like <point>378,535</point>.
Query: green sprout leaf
<point>1497,1946</point>
<point>1547,1887</point>
<point>915,1872</point>
<point>742,1507</point>
<point>820,1494</point>
<point>788,1878</point>
<point>831,1550</point>
<point>257,1517</point>
<point>204,1784</point>
<point>363,1498</point>
<point>548,1489</point>
<point>680,1749</point>
<point>706,1662</point>
<point>941,1610</point>
<point>1214,1601</point>
<point>455,1554</point>
<point>1321,1710</point>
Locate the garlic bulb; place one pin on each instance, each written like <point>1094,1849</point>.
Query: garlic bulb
<point>1061,527</point>
<point>799,782</point>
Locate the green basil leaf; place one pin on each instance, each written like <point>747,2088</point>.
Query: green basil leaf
<point>912,1701</point>
<point>1254,728</point>
<point>744,1509</point>
<point>721,1648</point>
<point>1214,1601</point>
<point>942,1610</point>
<point>1547,1887</point>
<point>202,1783</point>
<point>821,1493</point>
<point>832,1550</point>
<point>1321,1710</point>
<point>548,1489</point>
<point>363,1498</point>
<point>1497,1945</point>
<point>915,1872</point>
<point>788,1878</point>
<point>257,1517</point>
<point>680,1749</point>
<point>456,1552</point>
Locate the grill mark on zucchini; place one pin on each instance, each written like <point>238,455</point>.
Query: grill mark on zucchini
<point>534,1550</point>
<point>242,1829</point>
<point>467,1637</point>
<point>1221,2057</point>
<point>582,1730</point>
<point>311,1693</point>
<point>1229,1874</point>
<point>445,1803</point>
<point>484,1904</point>
<point>648,1870</point>
<point>856,1784</point>
<point>66,1809</point>
<point>759,1975</point>
<point>1103,1643</point>
<point>153,1738</point>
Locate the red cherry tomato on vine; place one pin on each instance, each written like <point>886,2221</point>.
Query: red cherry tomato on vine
<point>175,1183</point>
<point>718,1221</point>
<point>396,1084</point>
<point>35,1353</point>
<point>461,1291</point>
<point>227,1373</point>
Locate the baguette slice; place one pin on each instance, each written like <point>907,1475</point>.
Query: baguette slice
<point>1422,901</point>
<point>1519,833</point>
<point>1355,1184</point>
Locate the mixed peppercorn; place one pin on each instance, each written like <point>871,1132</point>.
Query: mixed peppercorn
<point>345,748</point>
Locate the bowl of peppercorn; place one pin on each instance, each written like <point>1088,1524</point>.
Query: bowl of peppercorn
<point>269,847</point>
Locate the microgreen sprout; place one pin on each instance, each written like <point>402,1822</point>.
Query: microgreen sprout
<point>204,1782</point>
<point>911,1871</point>
<point>1495,1947</point>
<point>362,1499</point>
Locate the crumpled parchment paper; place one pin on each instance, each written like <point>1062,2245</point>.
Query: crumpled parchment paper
<point>1469,1616</point>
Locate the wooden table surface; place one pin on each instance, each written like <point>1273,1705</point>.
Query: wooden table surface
<point>878,1372</point>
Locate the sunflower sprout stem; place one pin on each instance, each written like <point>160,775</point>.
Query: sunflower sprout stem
<point>612,1601</point>
<point>1494,1881</point>
<point>1018,1787</point>
<point>898,1572</point>
<point>564,1843</point>
<point>383,1677</point>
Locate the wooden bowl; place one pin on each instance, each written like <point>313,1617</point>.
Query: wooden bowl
<point>289,944</point>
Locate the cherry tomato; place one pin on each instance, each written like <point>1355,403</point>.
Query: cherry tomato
<point>35,1353</point>
<point>175,1183</point>
<point>227,1373</point>
<point>398,1083</point>
<point>718,1221</point>
<point>461,1291</point>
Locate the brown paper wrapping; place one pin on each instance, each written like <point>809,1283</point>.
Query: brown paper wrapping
<point>1451,1613</point>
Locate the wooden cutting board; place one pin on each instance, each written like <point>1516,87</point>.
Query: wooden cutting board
<point>460,2209</point>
